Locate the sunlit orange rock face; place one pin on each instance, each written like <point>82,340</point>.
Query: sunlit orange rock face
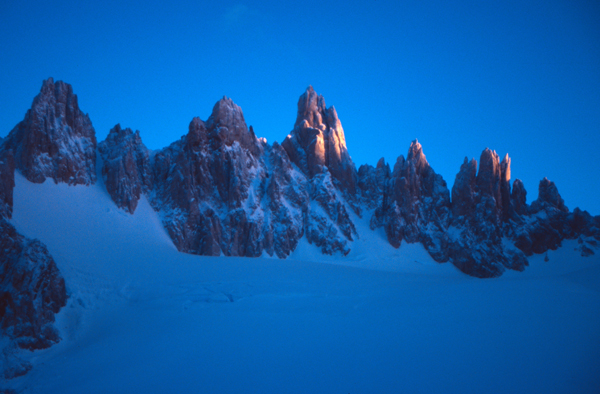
<point>221,190</point>
<point>317,142</point>
<point>493,180</point>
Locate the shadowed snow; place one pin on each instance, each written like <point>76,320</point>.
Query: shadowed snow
<point>144,318</point>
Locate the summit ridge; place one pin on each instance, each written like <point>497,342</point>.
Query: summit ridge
<point>220,190</point>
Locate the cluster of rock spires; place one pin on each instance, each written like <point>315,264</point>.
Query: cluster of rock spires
<point>220,190</point>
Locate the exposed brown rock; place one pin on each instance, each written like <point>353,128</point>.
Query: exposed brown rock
<point>489,175</point>
<point>7,183</point>
<point>548,196</point>
<point>416,205</point>
<point>56,139</point>
<point>505,187</point>
<point>519,198</point>
<point>464,190</point>
<point>126,167</point>
<point>32,290</point>
<point>227,126</point>
<point>317,142</point>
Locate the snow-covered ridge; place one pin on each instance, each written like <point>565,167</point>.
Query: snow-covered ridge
<point>222,191</point>
<point>143,316</point>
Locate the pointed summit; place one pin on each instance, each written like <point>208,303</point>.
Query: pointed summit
<point>317,141</point>
<point>417,157</point>
<point>56,139</point>
<point>228,123</point>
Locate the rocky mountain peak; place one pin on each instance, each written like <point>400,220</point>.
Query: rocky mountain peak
<point>519,197</point>
<point>464,188</point>
<point>227,123</point>
<point>125,167</point>
<point>488,178</point>
<point>416,156</point>
<point>548,196</point>
<point>197,137</point>
<point>311,110</point>
<point>56,139</point>
<point>317,142</point>
<point>227,114</point>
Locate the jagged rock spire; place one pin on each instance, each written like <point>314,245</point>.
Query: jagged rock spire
<point>548,196</point>
<point>56,139</point>
<point>221,190</point>
<point>518,197</point>
<point>505,187</point>
<point>317,142</point>
<point>228,124</point>
<point>126,167</point>
<point>416,204</point>
<point>464,188</point>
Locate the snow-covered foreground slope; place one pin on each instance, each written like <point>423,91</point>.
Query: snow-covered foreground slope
<point>144,318</point>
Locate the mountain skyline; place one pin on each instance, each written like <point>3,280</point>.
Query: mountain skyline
<point>78,247</point>
<point>221,190</point>
<point>519,78</point>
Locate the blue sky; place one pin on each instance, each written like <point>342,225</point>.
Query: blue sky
<point>519,77</point>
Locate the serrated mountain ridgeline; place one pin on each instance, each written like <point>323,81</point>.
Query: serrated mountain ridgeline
<point>220,190</point>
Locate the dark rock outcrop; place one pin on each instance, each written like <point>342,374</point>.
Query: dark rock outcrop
<point>548,222</point>
<point>7,183</point>
<point>494,229</point>
<point>518,198</point>
<point>481,205</point>
<point>222,190</point>
<point>209,186</point>
<point>55,140</point>
<point>371,183</point>
<point>548,198</point>
<point>31,290</point>
<point>415,205</point>
<point>126,167</point>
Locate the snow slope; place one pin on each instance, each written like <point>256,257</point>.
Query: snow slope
<point>144,318</point>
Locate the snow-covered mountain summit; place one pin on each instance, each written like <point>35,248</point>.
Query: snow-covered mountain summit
<point>56,139</point>
<point>220,190</point>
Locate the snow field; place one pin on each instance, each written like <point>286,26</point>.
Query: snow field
<point>142,317</point>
